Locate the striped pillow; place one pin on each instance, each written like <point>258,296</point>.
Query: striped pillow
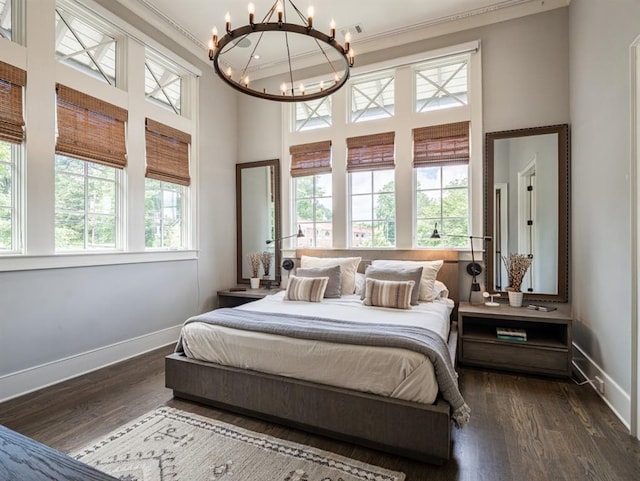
<point>309,289</point>
<point>396,294</point>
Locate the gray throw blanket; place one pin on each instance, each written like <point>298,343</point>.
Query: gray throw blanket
<point>422,341</point>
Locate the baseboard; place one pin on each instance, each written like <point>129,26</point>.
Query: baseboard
<point>614,396</point>
<point>31,379</point>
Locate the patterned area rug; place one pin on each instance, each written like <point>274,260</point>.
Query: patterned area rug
<point>169,444</point>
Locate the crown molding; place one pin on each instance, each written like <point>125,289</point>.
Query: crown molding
<point>497,12</point>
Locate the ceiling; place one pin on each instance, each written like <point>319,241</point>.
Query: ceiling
<point>381,22</point>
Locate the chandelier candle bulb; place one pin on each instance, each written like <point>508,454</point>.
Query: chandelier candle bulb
<point>302,89</point>
<point>332,29</point>
<point>229,72</point>
<point>227,19</point>
<point>252,11</point>
<point>310,17</point>
<point>347,41</point>
<point>211,49</point>
<point>246,81</point>
<point>280,10</point>
<point>321,86</point>
<point>214,40</point>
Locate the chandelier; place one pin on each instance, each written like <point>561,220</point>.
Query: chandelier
<point>274,49</point>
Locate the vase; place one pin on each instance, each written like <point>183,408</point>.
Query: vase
<point>255,282</point>
<point>515,298</point>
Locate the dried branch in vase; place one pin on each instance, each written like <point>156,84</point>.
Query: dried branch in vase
<point>255,258</point>
<point>266,262</point>
<point>516,265</point>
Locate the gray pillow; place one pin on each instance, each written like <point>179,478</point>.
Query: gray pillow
<point>334,287</point>
<point>388,274</point>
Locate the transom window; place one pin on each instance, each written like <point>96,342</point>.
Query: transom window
<point>314,210</point>
<point>372,98</point>
<point>162,82</point>
<point>86,205</point>
<point>5,19</point>
<point>86,46</point>
<point>441,84</point>
<point>442,196</point>
<point>373,208</point>
<point>314,114</point>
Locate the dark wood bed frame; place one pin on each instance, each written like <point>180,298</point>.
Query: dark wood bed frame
<point>418,431</point>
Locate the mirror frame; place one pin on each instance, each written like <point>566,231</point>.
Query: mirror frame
<point>275,164</point>
<point>563,206</point>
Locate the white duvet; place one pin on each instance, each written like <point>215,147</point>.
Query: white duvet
<point>392,372</point>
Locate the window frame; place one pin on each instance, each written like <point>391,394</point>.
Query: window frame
<point>455,241</point>
<point>184,217</point>
<point>437,111</point>
<point>96,21</point>
<point>402,123</point>
<point>118,214</point>
<point>314,222</point>
<point>360,79</point>
<point>16,164</point>
<point>373,219</point>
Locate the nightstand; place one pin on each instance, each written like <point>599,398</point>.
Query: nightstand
<point>229,298</point>
<point>547,349</point>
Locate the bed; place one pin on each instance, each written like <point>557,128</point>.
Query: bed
<point>402,416</point>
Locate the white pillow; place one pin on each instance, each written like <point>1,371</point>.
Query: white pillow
<point>440,290</point>
<point>429,272</point>
<point>360,286</point>
<point>348,269</point>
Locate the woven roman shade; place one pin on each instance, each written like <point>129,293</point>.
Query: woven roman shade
<point>310,159</point>
<point>90,129</point>
<point>371,152</point>
<point>167,153</point>
<point>441,144</point>
<point>12,80</point>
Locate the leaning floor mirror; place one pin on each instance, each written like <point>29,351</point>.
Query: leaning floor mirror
<point>526,192</point>
<point>258,217</point>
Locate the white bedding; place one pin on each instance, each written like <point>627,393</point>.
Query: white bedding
<point>392,372</point>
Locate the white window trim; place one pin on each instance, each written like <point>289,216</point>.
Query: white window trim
<point>87,259</point>
<point>38,249</point>
<point>404,119</point>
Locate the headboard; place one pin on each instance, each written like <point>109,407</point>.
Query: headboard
<point>447,274</point>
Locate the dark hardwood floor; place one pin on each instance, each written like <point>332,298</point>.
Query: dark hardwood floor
<point>522,428</point>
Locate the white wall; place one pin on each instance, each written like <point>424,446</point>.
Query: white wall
<point>524,79</point>
<point>56,323</point>
<point>601,34</point>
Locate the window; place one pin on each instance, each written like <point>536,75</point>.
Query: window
<point>370,163</point>
<point>166,186</point>
<point>314,114</point>
<point>91,153</point>
<point>372,98</point>
<point>441,84</point>
<point>5,19</point>
<point>162,81</point>
<point>86,44</point>
<point>442,196</point>
<point>314,210</point>
<point>441,158</point>
<point>373,209</point>
<point>311,172</point>
<point>164,215</point>
<point>86,205</point>
<point>12,81</point>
